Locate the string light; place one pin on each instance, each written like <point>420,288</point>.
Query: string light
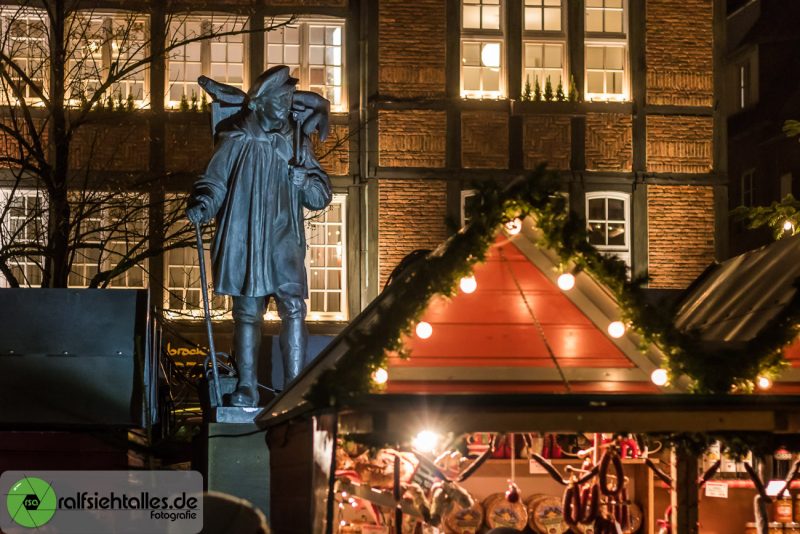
<point>424,330</point>
<point>514,227</point>
<point>763,382</point>
<point>616,329</point>
<point>788,225</point>
<point>659,377</point>
<point>468,284</point>
<point>380,376</point>
<point>566,281</point>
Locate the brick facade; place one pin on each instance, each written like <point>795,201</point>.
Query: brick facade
<point>679,144</point>
<point>609,142</point>
<point>411,48</point>
<point>484,140</point>
<point>121,146</point>
<point>411,138</point>
<point>678,48</point>
<point>189,143</point>
<point>334,153</point>
<point>411,217</point>
<point>546,139</point>
<point>680,229</point>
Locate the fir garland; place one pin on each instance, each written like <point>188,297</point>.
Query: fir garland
<point>562,231</point>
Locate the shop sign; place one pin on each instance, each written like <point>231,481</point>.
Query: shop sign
<point>717,489</point>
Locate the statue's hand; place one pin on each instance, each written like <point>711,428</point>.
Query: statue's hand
<point>198,212</point>
<point>298,175</point>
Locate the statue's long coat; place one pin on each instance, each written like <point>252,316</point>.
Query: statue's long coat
<point>259,245</point>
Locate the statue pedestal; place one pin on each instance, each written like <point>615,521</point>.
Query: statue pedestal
<point>232,414</point>
<point>234,457</point>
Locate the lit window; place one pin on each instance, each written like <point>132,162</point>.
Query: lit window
<point>606,50</point>
<point>482,49</point>
<point>747,188</point>
<point>480,14</point>
<point>220,58</point>
<point>607,216</point>
<point>314,51</point>
<point>543,15</point>
<point>605,16</point>
<point>542,61</point>
<point>25,43</point>
<point>183,297</point>
<point>113,228</point>
<point>98,42</point>
<point>481,69</point>
<point>326,260</point>
<point>605,71</point>
<point>23,221</point>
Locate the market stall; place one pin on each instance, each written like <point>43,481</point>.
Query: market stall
<point>530,401</point>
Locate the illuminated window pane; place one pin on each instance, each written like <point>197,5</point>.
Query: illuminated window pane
<point>533,19</point>
<point>472,16</point>
<point>491,18</point>
<point>613,21</point>
<point>594,57</point>
<point>491,80</point>
<point>594,21</point>
<point>314,52</point>
<point>552,56</point>
<point>471,53</point>
<point>614,57</point>
<point>472,78</point>
<point>595,82</point>
<point>552,19</point>
<point>607,223</point>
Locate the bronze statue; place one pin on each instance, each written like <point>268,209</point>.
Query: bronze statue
<point>261,175</point>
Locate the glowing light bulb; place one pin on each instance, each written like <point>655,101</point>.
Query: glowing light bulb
<point>425,441</point>
<point>468,284</point>
<point>763,382</point>
<point>514,227</point>
<point>788,225</point>
<point>490,55</point>
<point>380,376</point>
<point>424,330</point>
<point>616,329</point>
<point>566,281</point>
<point>659,377</point>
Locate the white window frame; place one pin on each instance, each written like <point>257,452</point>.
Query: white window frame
<point>302,69</point>
<point>8,15</point>
<point>466,194</point>
<point>543,80</point>
<point>176,56</point>
<point>108,51</point>
<point>323,315</point>
<point>623,252</point>
<point>483,37</point>
<point>542,6</point>
<point>107,257</point>
<point>608,39</point>
<point>747,188</point>
<point>6,232</point>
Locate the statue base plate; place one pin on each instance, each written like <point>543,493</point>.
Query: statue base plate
<point>235,414</point>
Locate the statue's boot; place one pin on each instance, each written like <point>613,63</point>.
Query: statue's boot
<point>293,337</point>
<point>247,342</point>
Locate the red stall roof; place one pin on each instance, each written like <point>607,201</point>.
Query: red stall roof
<point>518,332</point>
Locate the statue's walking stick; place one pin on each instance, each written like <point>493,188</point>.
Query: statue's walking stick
<point>204,289</point>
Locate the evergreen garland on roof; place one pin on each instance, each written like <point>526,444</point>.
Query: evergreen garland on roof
<point>564,232</point>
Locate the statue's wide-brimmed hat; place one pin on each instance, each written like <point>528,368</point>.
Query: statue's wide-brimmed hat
<point>274,80</point>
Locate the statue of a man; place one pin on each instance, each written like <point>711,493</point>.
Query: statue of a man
<point>261,175</point>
